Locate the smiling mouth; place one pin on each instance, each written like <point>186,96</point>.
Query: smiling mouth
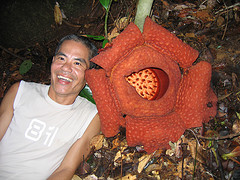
<point>64,78</point>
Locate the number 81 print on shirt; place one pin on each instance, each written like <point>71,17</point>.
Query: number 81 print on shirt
<point>37,128</point>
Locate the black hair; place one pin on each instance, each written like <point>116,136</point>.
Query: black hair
<point>84,40</point>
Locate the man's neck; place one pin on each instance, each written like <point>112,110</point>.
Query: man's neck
<point>62,99</point>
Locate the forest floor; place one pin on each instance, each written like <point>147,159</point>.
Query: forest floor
<point>211,27</point>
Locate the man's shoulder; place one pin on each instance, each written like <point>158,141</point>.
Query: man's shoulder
<point>32,85</point>
<point>84,102</point>
<point>32,88</point>
<point>29,83</point>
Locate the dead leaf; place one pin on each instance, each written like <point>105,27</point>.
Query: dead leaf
<point>119,154</point>
<point>204,16</point>
<point>76,177</point>
<point>57,14</point>
<point>143,161</point>
<point>221,55</point>
<point>121,23</point>
<point>115,143</point>
<point>165,3</point>
<point>91,177</point>
<point>236,126</point>
<point>180,7</point>
<point>199,154</point>
<point>179,147</point>
<point>113,34</point>
<point>16,75</point>
<point>97,142</point>
<point>87,25</point>
<point>84,168</point>
<point>236,129</point>
<point>220,21</point>
<point>153,167</point>
<point>129,177</point>
<point>187,167</point>
<point>211,4</point>
<point>191,35</point>
<point>185,12</point>
<point>236,13</point>
<point>235,80</point>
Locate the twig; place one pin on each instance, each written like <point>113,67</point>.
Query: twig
<point>226,26</point>
<point>72,25</point>
<point>230,136</point>
<point>229,7</point>
<point>195,136</point>
<point>183,166</point>
<point>9,52</point>
<point>224,96</point>
<point>195,162</point>
<point>220,165</point>
<point>121,166</point>
<point>227,95</point>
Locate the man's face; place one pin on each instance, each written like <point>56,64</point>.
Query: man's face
<point>68,70</point>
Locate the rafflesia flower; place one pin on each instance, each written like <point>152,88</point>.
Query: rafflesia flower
<point>140,86</point>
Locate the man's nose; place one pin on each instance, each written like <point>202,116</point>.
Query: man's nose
<point>67,66</point>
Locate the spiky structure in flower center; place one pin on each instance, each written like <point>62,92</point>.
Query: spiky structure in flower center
<point>145,82</point>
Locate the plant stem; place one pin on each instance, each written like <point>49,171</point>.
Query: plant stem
<point>106,18</point>
<point>143,10</point>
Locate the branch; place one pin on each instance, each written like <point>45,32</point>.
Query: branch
<point>230,136</point>
<point>9,52</point>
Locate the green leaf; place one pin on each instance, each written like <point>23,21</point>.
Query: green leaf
<point>25,66</point>
<point>86,93</point>
<point>104,43</point>
<point>98,38</point>
<point>238,115</point>
<point>234,153</point>
<point>105,3</point>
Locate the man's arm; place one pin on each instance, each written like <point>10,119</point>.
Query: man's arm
<point>6,109</point>
<point>75,154</point>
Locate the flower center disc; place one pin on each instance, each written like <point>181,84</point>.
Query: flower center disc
<point>150,83</point>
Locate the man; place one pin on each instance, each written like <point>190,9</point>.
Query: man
<point>45,131</point>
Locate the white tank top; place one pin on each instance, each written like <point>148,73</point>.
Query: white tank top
<point>40,133</point>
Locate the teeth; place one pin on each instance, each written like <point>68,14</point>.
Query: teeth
<point>64,78</point>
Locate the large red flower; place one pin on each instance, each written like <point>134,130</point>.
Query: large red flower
<point>140,87</point>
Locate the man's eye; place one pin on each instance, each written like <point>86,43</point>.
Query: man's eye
<point>61,58</point>
<point>80,64</point>
<point>77,63</point>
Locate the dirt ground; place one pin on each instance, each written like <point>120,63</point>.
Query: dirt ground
<point>213,28</point>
